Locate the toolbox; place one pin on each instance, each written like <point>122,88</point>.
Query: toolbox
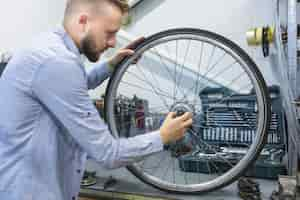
<point>232,123</point>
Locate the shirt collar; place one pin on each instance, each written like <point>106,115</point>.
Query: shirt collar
<point>70,44</point>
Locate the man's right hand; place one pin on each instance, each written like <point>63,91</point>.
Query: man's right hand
<point>174,127</point>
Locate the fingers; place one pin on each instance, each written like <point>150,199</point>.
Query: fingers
<point>137,59</point>
<point>171,115</point>
<point>185,116</point>
<point>126,52</point>
<point>188,123</point>
<point>134,43</point>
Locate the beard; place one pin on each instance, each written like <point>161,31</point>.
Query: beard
<point>88,48</point>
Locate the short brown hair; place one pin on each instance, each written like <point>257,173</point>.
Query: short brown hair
<point>122,4</point>
<point>72,4</point>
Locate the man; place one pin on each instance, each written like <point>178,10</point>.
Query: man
<point>48,124</point>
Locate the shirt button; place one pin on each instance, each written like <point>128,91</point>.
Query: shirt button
<point>88,114</point>
<point>78,171</point>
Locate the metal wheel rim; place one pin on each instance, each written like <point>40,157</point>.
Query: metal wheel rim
<point>235,171</point>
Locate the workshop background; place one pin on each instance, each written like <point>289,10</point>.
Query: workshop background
<point>21,21</point>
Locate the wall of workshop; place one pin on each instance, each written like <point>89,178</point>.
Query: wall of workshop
<point>229,18</point>
<point>21,21</point>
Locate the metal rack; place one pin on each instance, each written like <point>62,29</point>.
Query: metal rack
<point>287,56</point>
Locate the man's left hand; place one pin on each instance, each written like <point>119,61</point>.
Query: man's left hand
<point>123,52</point>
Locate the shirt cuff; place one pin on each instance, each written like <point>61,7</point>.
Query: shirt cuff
<point>110,68</point>
<point>156,141</point>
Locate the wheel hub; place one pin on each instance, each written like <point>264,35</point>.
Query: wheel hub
<point>180,108</point>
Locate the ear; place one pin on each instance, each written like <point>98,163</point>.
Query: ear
<point>83,18</point>
<point>82,21</point>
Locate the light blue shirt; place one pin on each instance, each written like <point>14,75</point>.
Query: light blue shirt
<point>48,123</point>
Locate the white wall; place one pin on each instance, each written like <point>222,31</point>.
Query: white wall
<point>228,18</point>
<point>20,21</point>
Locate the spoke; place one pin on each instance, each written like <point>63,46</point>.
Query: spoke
<point>240,117</point>
<point>167,168</point>
<point>212,67</point>
<point>157,166</point>
<point>208,166</point>
<point>175,73</point>
<point>176,147</point>
<point>167,69</point>
<point>199,179</point>
<point>211,56</point>
<point>215,64</point>
<point>156,109</point>
<point>224,69</point>
<point>132,111</point>
<point>199,126</point>
<point>182,66</point>
<point>143,163</point>
<point>154,78</point>
<point>219,172</point>
<point>174,163</point>
<point>122,113</point>
<point>209,62</point>
<point>152,161</point>
<point>235,79</point>
<point>126,123</point>
<point>228,97</point>
<point>218,125</point>
<point>176,63</point>
<point>165,65</point>
<point>136,76</point>
<point>208,162</point>
<point>185,176</point>
<point>199,69</point>
<point>146,89</point>
<point>163,100</point>
<point>200,140</point>
<point>227,67</point>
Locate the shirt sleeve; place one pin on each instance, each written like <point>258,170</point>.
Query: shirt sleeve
<point>98,73</point>
<point>61,87</point>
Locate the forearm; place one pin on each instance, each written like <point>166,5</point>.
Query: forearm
<point>126,151</point>
<point>98,73</point>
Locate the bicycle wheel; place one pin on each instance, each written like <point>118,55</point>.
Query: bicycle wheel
<point>204,73</point>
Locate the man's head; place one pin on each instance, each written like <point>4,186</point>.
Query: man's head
<point>93,24</point>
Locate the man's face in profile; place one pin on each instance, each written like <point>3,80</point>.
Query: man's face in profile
<point>101,33</point>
